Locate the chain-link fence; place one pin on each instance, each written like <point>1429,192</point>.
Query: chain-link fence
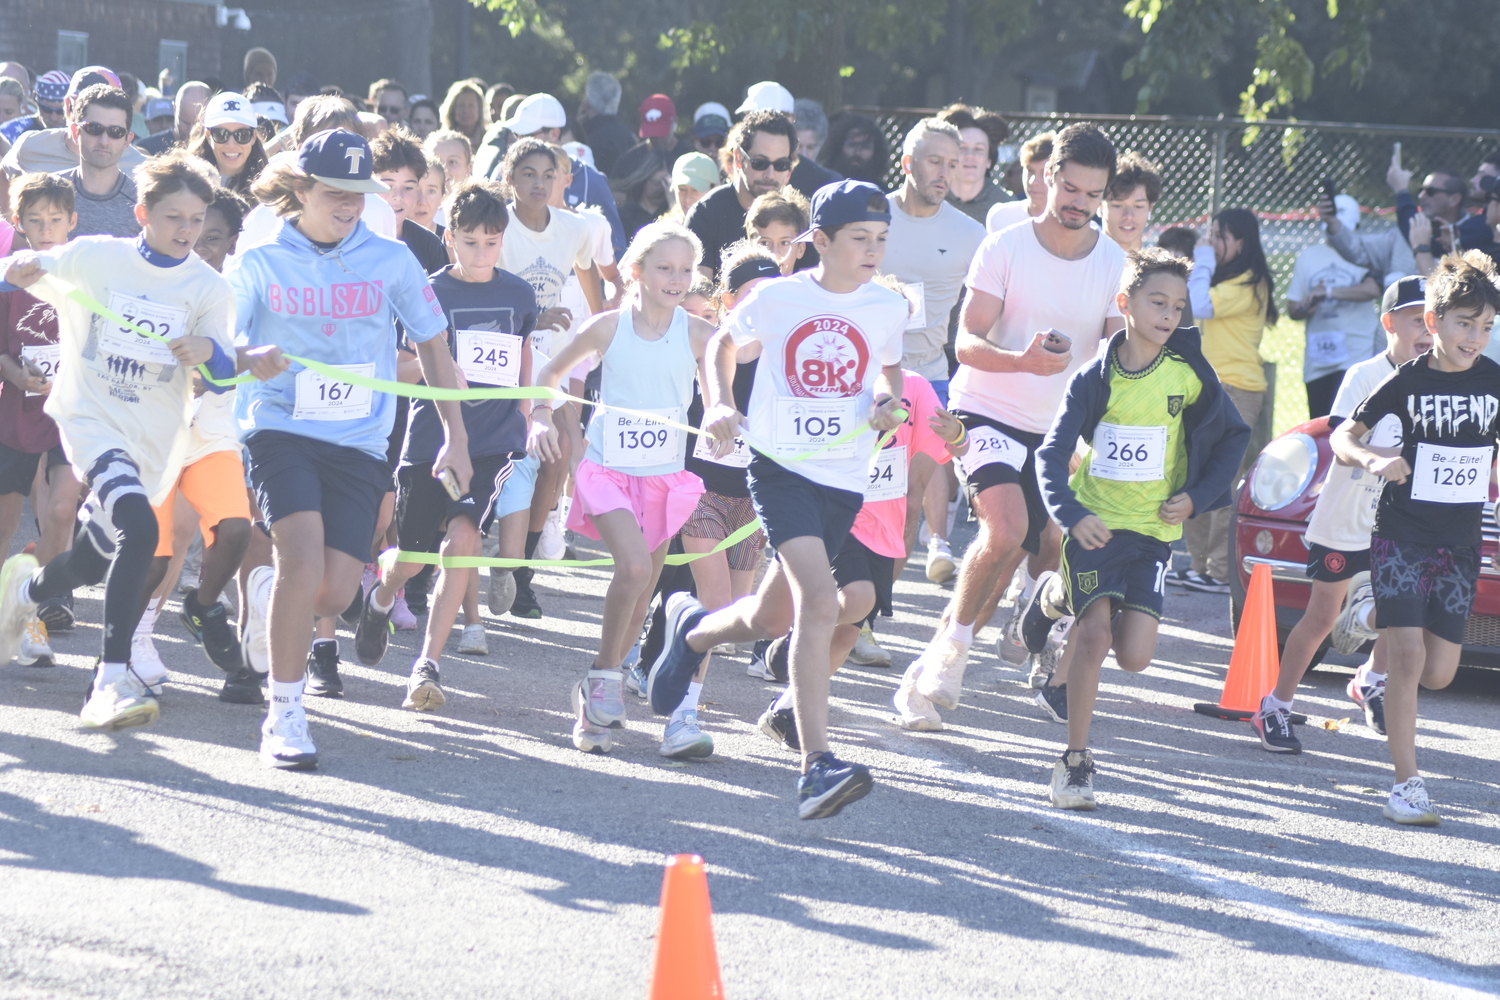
<point>1206,166</point>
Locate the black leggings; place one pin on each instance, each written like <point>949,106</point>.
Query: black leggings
<point>83,565</point>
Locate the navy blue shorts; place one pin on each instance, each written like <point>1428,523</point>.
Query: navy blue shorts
<point>1130,569</point>
<point>18,468</point>
<point>792,506</point>
<point>291,473</point>
<point>1333,566</point>
<point>423,505</point>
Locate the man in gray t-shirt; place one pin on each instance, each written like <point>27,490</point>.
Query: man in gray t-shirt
<point>104,195</point>
<point>111,214</point>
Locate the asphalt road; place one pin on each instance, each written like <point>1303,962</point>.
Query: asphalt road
<point>475,853</point>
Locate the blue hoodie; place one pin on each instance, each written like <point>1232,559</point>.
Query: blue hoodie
<point>338,307</point>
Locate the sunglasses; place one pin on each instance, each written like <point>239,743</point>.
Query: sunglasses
<point>95,129</point>
<point>781,166</point>
<point>1431,191</point>
<point>239,135</point>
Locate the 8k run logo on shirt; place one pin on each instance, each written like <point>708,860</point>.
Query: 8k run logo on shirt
<point>826,357</point>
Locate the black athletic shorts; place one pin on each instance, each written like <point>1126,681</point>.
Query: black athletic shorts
<point>855,562</point>
<point>1332,565</point>
<point>18,468</point>
<point>998,472</point>
<point>1423,586</point>
<point>791,506</point>
<point>1130,569</point>
<point>291,473</point>
<point>423,506</point>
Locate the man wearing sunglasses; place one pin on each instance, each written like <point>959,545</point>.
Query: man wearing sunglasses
<point>388,99</point>
<point>763,152</point>
<point>104,194</point>
<point>48,95</point>
<point>54,150</point>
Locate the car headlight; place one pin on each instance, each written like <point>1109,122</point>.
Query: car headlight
<point>1283,471</point>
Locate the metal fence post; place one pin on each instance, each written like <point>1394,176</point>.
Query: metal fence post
<point>1216,168</point>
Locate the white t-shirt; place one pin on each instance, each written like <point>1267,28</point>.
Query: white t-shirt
<point>821,352</point>
<point>930,256</point>
<point>546,258</point>
<point>1005,214</point>
<point>213,428</point>
<point>117,389</point>
<point>1338,333</point>
<point>1040,292</point>
<point>603,252</point>
<point>1344,515</point>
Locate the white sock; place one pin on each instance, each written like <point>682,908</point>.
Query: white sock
<point>786,699</point>
<point>375,602</point>
<point>1027,591</point>
<point>1271,701</point>
<point>1364,613</point>
<point>286,696</point>
<point>109,673</point>
<point>961,633</point>
<point>1060,630</point>
<point>952,514</point>
<point>148,618</point>
<point>689,702</point>
<point>1369,678</point>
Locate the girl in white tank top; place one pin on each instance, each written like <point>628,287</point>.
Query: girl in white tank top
<point>630,489</point>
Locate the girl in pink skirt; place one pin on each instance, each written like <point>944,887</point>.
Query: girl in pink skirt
<point>630,489</point>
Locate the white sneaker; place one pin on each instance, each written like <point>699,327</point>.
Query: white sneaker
<point>867,652</point>
<point>683,738</point>
<point>255,640</point>
<point>586,736</point>
<point>1073,781</point>
<point>285,741</point>
<point>424,688</point>
<point>940,677</point>
<point>1348,634</point>
<point>119,705</point>
<point>1409,804</point>
<point>552,545</point>
<point>472,640</point>
<point>913,710</point>
<point>147,664</point>
<point>940,565</point>
<point>15,613</point>
<point>599,697</point>
<point>502,593</point>
<point>36,646</point>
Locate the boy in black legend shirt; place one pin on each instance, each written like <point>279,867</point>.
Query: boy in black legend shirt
<point>1424,554</point>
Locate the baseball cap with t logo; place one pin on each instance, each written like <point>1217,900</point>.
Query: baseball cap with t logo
<point>339,159</point>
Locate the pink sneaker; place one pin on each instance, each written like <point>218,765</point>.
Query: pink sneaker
<point>401,615</point>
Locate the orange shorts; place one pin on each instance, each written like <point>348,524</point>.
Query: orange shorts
<point>215,487</point>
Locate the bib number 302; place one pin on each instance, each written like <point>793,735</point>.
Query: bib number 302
<point>1451,475</point>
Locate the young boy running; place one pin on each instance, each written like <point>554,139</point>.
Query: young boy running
<point>1164,444</point>
<point>1424,555</point>
<point>120,402</point>
<point>1338,536</point>
<point>830,364</point>
<point>491,313</point>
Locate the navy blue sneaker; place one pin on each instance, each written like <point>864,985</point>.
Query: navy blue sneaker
<point>830,785</point>
<point>674,669</point>
<point>1036,623</point>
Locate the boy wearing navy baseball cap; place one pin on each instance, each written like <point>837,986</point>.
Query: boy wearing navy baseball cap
<point>830,364</point>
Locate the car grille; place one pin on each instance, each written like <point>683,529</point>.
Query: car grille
<point>1482,630</point>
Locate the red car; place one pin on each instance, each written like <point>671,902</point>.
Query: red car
<point>1275,502</point>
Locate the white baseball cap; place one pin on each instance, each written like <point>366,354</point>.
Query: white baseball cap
<point>768,95</point>
<point>536,112</point>
<point>229,108</point>
<point>580,152</point>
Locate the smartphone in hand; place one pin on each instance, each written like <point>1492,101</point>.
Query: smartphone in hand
<point>1057,343</point>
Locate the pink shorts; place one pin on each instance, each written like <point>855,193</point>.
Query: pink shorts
<point>661,504</point>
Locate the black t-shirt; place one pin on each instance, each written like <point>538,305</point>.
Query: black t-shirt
<point>1448,431</point>
<point>719,220</point>
<point>504,304</point>
<point>427,247</point>
<point>809,175</point>
<point>725,480</point>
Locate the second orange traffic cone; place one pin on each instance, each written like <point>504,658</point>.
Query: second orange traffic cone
<point>1255,661</point>
<point>687,963</point>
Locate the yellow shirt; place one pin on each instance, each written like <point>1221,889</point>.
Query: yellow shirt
<point>1231,339</point>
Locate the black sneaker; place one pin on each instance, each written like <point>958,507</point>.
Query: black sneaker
<point>525,605</point>
<point>673,670</point>
<point>57,613</point>
<point>758,666</point>
<point>209,624</point>
<point>1054,701</point>
<point>778,658</point>
<point>323,670</point>
<point>1274,727</point>
<point>829,786</point>
<point>242,687</point>
<point>1372,700</point>
<point>373,633</point>
<point>1203,583</point>
<point>1036,625</point>
<point>781,726</point>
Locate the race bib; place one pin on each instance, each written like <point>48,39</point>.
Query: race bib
<point>631,442</point>
<point>163,320</point>
<point>1327,347</point>
<point>487,357</point>
<point>887,475</point>
<point>1451,475</point>
<point>739,458</point>
<point>47,357</point>
<point>988,446</point>
<point>320,398</point>
<point>1129,454</point>
<point>804,425</point>
<point>916,298</point>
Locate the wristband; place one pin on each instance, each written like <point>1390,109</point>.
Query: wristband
<point>1422,248</point>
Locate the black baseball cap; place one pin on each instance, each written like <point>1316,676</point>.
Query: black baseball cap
<point>843,203</point>
<point>1408,291</point>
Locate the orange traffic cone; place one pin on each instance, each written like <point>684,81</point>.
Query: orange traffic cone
<point>687,964</point>
<point>1255,661</point>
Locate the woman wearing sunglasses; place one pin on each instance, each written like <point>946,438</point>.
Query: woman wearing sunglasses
<point>226,137</point>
